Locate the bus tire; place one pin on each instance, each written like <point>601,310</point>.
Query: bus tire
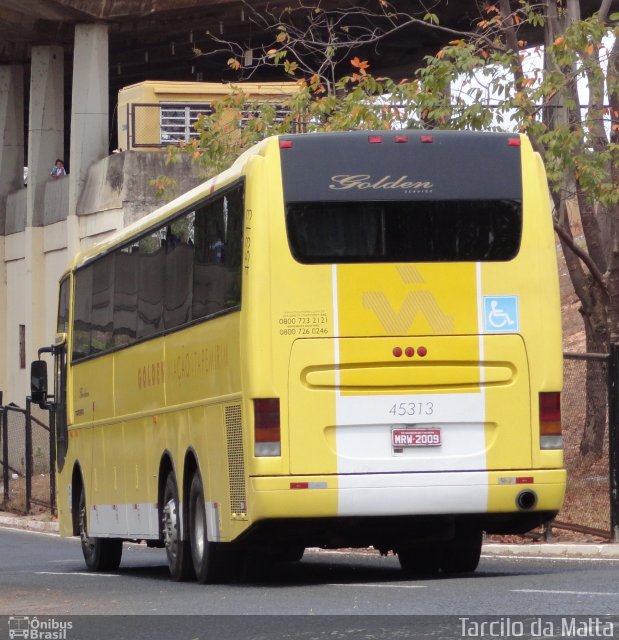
<point>100,554</point>
<point>420,559</point>
<point>291,553</point>
<point>177,550</point>
<point>461,555</point>
<point>209,559</point>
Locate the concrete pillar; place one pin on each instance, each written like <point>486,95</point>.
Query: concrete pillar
<point>45,144</point>
<point>11,134</point>
<point>89,114</point>
<point>3,317</point>
<point>45,126</point>
<point>11,179</point>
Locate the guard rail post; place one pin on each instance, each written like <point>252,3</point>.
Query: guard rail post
<point>52,462</point>
<point>5,454</point>
<point>29,462</point>
<point>613,441</point>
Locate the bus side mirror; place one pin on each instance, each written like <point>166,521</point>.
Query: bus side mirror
<point>38,381</point>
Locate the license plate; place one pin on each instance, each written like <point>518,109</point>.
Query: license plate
<point>415,438</point>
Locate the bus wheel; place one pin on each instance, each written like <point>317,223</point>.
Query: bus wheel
<point>100,554</point>
<point>209,559</point>
<point>177,550</point>
<point>422,558</point>
<point>291,553</point>
<point>461,555</point>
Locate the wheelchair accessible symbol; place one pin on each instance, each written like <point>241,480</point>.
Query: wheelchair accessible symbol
<point>501,314</point>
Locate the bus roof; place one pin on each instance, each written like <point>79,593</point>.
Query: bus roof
<point>402,165</point>
<point>309,148</point>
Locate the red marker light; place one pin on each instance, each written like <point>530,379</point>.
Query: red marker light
<point>426,139</point>
<point>375,139</point>
<point>299,485</point>
<point>422,352</point>
<point>409,351</point>
<point>401,139</point>
<point>513,142</point>
<point>397,352</point>
<point>285,144</point>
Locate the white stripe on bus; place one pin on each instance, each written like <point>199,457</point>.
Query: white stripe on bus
<point>406,493</point>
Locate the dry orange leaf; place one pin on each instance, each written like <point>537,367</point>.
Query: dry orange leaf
<point>362,65</point>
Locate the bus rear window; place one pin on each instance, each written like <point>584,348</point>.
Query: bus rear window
<point>404,231</point>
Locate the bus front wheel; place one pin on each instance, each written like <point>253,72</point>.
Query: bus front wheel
<point>209,559</point>
<point>100,554</point>
<point>177,550</point>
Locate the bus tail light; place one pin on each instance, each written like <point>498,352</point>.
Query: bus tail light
<point>267,438</point>
<point>550,421</point>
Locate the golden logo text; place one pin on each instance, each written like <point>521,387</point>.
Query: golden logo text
<point>365,181</point>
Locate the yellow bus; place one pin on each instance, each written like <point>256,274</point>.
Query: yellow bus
<point>344,340</point>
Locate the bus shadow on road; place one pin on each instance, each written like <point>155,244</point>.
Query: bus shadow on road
<point>343,569</point>
<point>318,568</point>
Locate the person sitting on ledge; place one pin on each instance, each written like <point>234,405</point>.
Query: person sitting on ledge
<point>58,170</point>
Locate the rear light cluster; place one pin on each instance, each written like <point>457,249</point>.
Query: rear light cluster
<point>398,139</point>
<point>550,420</point>
<point>409,352</point>
<point>267,431</point>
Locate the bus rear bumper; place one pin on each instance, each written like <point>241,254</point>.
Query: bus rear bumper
<point>406,494</point>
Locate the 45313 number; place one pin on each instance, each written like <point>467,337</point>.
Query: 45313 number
<point>412,409</point>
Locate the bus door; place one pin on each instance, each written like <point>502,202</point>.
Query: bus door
<point>60,374</point>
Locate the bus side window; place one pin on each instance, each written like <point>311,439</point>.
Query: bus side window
<point>217,258</point>
<point>151,265</point>
<point>62,325</point>
<point>81,314</point>
<point>102,304</point>
<point>125,295</point>
<point>178,272</point>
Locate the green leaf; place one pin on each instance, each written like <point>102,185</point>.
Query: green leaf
<point>290,67</point>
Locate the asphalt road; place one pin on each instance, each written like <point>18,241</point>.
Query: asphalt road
<point>45,575</point>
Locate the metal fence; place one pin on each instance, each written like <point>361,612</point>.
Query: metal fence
<point>162,124</point>
<point>26,443</point>
<point>159,124</point>
<point>584,413</point>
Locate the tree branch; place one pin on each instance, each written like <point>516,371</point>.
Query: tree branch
<point>593,270</point>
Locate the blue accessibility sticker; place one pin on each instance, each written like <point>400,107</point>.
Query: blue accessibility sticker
<point>501,314</point>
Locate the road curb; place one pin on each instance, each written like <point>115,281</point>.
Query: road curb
<point>28,524</point>
<point>545,550</point>
<point>553,550</point>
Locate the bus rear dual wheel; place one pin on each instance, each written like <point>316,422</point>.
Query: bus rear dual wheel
<point>460,555</point>
<point>100,554</point>
<point>197,557</point>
